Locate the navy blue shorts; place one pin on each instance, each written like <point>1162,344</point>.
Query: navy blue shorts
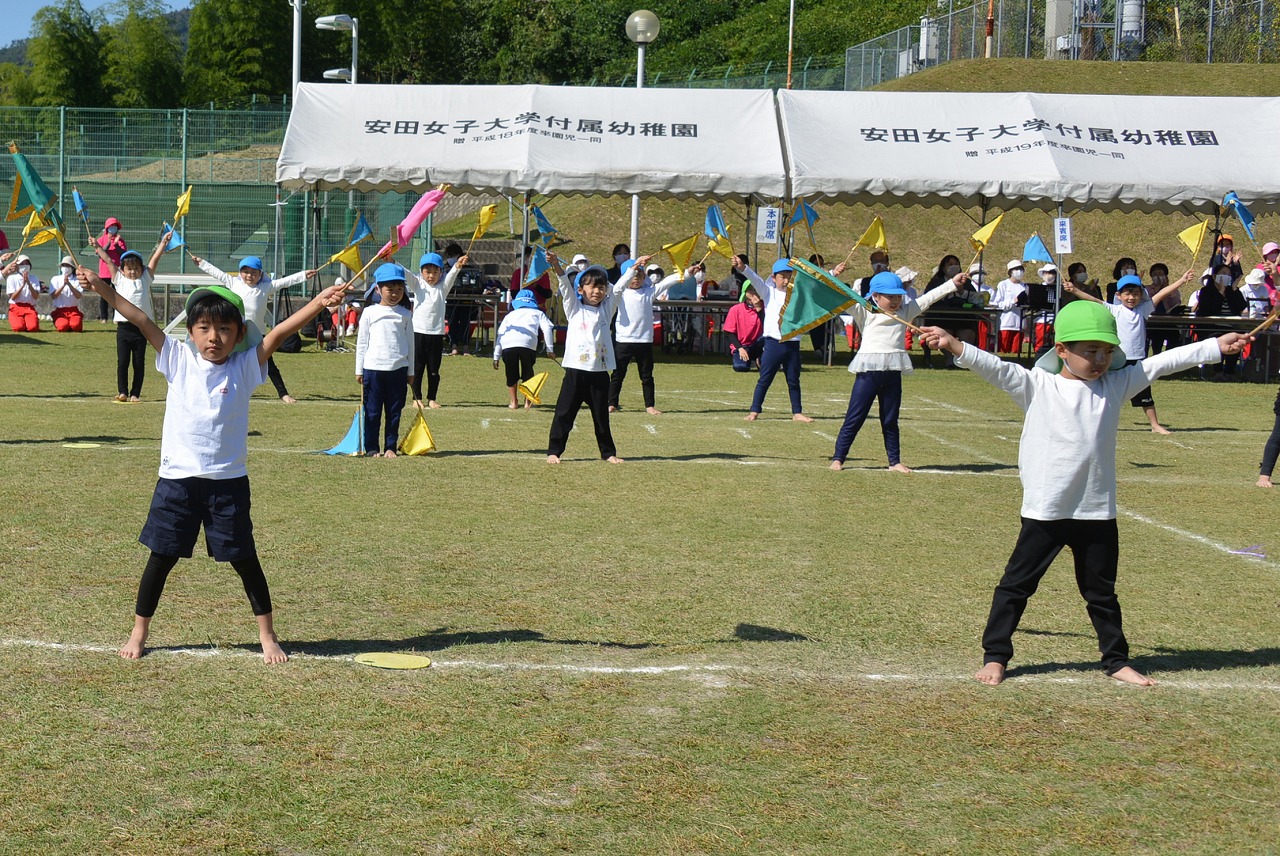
<point>180,506</point>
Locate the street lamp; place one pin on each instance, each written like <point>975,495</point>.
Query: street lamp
<point>642,28</point>
<point>344,23</point>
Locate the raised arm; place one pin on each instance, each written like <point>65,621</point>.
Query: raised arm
<point>291,280</point>
<point>154,335</point>
<point>161,245</point>
<point>451,278</point>
<point>1172,287</point>
<point>213,270</point>
<point>106,259</point>
<point>326,299</point>
<point>1071,288</point>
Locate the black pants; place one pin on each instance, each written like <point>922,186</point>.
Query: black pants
<point>459,315</point>
<point>625,352</point>
<point>273,373</point>
<point>1272,449</point>
<point>1095,546</point>
<point>577,388</point>
<point>131,348</point>
<point>519,364</point>
<point>428,351</point>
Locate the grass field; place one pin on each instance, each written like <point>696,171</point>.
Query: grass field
<point>717,647</point>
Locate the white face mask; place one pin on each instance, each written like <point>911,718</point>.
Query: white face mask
<point>951,270</point>
<point>113,230</point>
<point>699,277</point>
<point>1223,279</point>
<point>24,268</point>
<point>1050,278</point>
<point>620,258</point>
<point>1080,278</point>
<point>654,278</point>
<point>1016,275</point>
<point>67,270</point>
<point>581,265</point>
<point>878,267</point>
<point>1128,271</point>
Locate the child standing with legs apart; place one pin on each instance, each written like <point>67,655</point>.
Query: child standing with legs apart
<point>881,361</point>
<point>776,354</point>
<point>635,330</point>
<point>131,281</point>
<point>588,358</point>
<point>204,447</point>
<point>1067,463</point>
<point>428,322</point>
<point>384,352</point>
<point>517,340</point>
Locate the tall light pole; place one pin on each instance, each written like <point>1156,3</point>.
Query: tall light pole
<point>642,28</point>
<point>344,23</point>
<point>297,44</point>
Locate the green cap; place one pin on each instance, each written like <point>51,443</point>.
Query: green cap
<point>1083,321</point>
<point>252,335</point>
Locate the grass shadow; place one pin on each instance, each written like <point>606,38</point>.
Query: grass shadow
<point>1168,660</point>
<point>759,633</point>
<point>966,468</point>
<point>441,639</point>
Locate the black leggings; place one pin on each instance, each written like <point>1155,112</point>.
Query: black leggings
<point>131,347</point>
<point>276,380</point>
<point>157,572</point>
<point>1272,450</point>
<point>427,353</point>
<point>519,364</point>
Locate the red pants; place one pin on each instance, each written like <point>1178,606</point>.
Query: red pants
<point>23,318</point>
<point>1043,331</point>
<point>1010,341</point>
<point>68,319</point>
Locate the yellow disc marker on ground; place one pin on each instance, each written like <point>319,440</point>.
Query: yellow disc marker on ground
<point>392,660</point>
<point>81,445</point>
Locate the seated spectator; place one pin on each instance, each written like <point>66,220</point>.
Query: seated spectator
<point>1218,297</point>
<point>1123,267</point>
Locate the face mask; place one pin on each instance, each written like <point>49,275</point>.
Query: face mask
<point>24,268</point>
<point>620,258</point>
<point>582,265</point>
<point>877,267</point>
<point>1050,279</point>
<point>976,279</point>
<point>653,278</point>
<point>699,277</point>
<point>1159,279</point>
<point>1223,279</point>
<point>1128,271</point>
<point>113,230</point>
<point>1016,275</point>
<point>66,270</point>
<point>1080,278</point>
<point>951,270</point>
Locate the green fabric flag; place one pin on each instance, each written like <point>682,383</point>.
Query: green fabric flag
<point>814,297</point>
<point>30,193</point>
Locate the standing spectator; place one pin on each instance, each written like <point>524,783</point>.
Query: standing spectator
<point>621,254</point>
<point>1042,299</point>
<point>111,241</point>
<point>1006,299</point>
<point>1124,267</point>
<point>1225,253</point>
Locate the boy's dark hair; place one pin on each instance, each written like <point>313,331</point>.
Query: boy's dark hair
<point>214,309</point>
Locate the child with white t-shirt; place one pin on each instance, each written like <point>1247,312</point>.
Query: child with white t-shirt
<point>1067,463</point>
<point>384,357</point>
<point>131,281</point>
<point>1132,308</point>
<point>634,328</point>
<point>204,446</point>
<point>516,341</point>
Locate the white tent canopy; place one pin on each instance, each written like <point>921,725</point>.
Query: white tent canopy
<point>539,139</point>
<point>1031,150</point>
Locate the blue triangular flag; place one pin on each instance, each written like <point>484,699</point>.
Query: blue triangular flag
<point>82,207</point>
<point>714,226</point>
<point>545,229</point>
<point>538,265</point>
<point>1245,215</point>
<point>174,242</point>
<point>353,443</point>
<point>359,231</point>
<point>1035,250</point>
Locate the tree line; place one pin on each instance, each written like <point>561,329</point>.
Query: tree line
<point>136,56</point>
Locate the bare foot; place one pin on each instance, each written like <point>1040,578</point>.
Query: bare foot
<point>653,411</point>
<point>389,453</point>
<point>288,399</point>
<point>527,404</point>
<point>750,417</point>
<point>271,650</point>
<point>1160,429</point>
<point>553,459</point>
<point>837,465</point>
<point>614,459</point>
<point>991,674</point>
<point>899,468</point>
<point>512,406</point>
<point>1130,675</point>
<point>613,408</point>
<point>433,404</point>
<point>417,402</point>
<point>122,397</point>
<point>800,417</point>
<point>136,646</point>
<point>133,399</point>
<point>1264,481</point>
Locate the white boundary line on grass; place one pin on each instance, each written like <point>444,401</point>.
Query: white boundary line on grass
<point>674,669</point>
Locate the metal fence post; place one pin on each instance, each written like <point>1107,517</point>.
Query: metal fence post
<point>182,257</point>
<point>62,161</point>
<point>1208,57</point>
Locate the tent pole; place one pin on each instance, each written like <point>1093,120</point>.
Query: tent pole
<point>750,233</point>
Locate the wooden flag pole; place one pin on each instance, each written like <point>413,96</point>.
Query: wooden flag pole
<point>1266,322</point>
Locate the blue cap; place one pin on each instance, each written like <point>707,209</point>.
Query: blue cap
<point>251,262</point>
<point>524,299</point>
<point>626,266</point>
<point>431,259</point>
<point>886,282</point>
<point>596,268</point>
<point>782,265</point>
<point>135,254</point>
<point>389,273</point>
<point>1129,281</point>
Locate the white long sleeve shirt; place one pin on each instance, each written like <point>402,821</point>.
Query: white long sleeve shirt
<point>428,302</point>
<point>1005,299</point>
<point>635,305</point>
<point>588,346</point>
<point>256,298</point>
<point>884,341</point>
<point>385,339</point>
<point>774,299</point>
<point>520,329</point>
<point>1067,452</point>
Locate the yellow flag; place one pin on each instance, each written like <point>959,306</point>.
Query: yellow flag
<point>184,204</point>
<point>349,257</point>
<point>982,237</point>
<point>681,252</point>
<point>874,237</point>
<point>44,236</point>
<point>487,215</point>
<point>34,224</point>
<point>724,248</point>
<point>532,388</point>
<point>419,440</point>
<point>1194,237</point>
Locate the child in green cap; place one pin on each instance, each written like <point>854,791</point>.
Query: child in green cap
<point>1073,400</point>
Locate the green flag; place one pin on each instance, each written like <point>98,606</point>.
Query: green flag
<point>30,193</point>
<point>814,297</point>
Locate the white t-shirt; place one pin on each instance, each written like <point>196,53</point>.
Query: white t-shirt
<point>20,292</point>
<point>1131,327</point>
<point>635,306</point>
<point>206,412</point>
<point>588,346</point>
<point>136,291</point>
<point>520,329</point>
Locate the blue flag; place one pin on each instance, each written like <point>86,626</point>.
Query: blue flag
<point>803,213</point>
<point>545,231</point>
<point>1035,250</point>
<point>714,227</point>
<point>175,242</point>
<point>359,231</point>
<point>538,265</point>
<point>1245,215</point>
<point>82,207</point>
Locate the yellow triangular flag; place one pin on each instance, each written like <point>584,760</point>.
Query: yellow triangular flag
<point>419,440</point>
<point>34,224</point>
<point>487,214</point>
<point>532,387</point>
<point>184,204</point>
<point>681,252</point>
<point>874,237</point>
<point>43,236</point>
<point>1194,237</point>
<point>724,248</point>
<point>349,257</point>
<point>982,237</point>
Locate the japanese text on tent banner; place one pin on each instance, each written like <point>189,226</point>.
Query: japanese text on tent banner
<point>1097,136</point>
<point>557,127</point>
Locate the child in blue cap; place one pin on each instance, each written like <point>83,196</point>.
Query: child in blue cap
<point>429,295</point>
<point>256,290</point>
<point>776,354</point>
<point>131,281</point>
<point>384,354</point>
<point>882,360</point>
<point>204,478</point>
<point>516,342</point>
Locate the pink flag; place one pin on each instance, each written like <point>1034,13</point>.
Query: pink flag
<point>419,212</point>
<point>388,250</point>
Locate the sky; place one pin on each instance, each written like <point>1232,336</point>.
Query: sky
<point>20,12</point>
